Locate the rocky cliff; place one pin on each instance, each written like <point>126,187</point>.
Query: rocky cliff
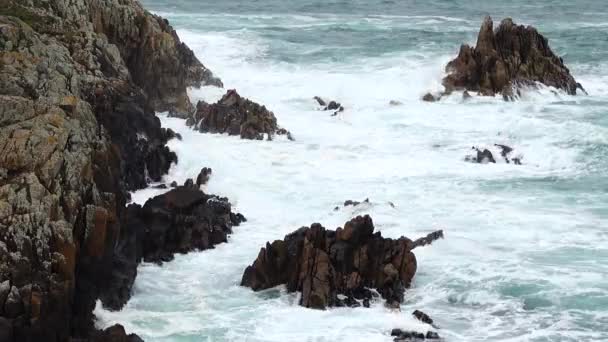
<point>79,83</point>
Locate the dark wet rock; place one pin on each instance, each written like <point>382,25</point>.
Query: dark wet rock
<point>170,134</point>
<point>160,186</point>
<point>486,156</point>
<point>355,203</point>
<point>411,336</point>
<point>283,131</point>
<point>335,268</point>
<point>203,176</point>
<point>505,151</point>
<point>395,103</point>
<point>115,333</point>
<point>173,184</point>
<point>236,115</point>
<point>421,316</point>
<point>189,183</point>
<point>135,132</point>
<point>482,157</point>
<point>320,101</point>
<point>179,221</point>
<point>6,330</point>
<point>428,97</point>
<point>334,106</point>
<point>509,57</point>
<point>352,203</point>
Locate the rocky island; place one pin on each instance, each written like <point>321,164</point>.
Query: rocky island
<point>505,59</point>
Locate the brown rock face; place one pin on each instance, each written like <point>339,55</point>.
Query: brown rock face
<point>336,268</point>
<point>236,115</point>
<point>508,57</point>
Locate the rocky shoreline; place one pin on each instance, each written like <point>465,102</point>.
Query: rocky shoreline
<point>80,82</point>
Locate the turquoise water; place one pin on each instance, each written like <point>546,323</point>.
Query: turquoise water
<point>526,251</point>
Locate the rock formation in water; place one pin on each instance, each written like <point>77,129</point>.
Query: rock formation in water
<point>405,336</point>
<point>331,105</point>
<point>485,156</point>
<point>337,268</point>
<point>79,83</point>
<point>179,221</point>
<point>236,115</point>
<point>505,59</point>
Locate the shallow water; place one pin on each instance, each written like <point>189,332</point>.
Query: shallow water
<point>525,256</point>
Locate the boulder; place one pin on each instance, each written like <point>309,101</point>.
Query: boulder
<point>236,115</point>
<point>336,268</point>
<point>507,58</point>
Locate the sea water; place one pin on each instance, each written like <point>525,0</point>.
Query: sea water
<point>525,254</point>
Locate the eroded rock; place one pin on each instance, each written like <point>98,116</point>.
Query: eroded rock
<point>336,268</point>
<point>505,59</point>
<point>236,115</point>
<point>179,221</point>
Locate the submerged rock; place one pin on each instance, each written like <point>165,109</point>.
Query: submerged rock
<point>484,156</point>
<point>334,106</point>
<point>115,333</point>
<point>336,268</point>
<point>412,336</point>
<point>509,57</point>
<point>428,97</point>
<point>352,203</point>
<point>236,115</point>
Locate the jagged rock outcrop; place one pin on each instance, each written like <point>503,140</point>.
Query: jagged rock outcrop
<point>236,115</point>
<point>119,38</point>
<point>79,80</point>
<point>179,221</point>
<point>336,268</point>
<point>507,58</point>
